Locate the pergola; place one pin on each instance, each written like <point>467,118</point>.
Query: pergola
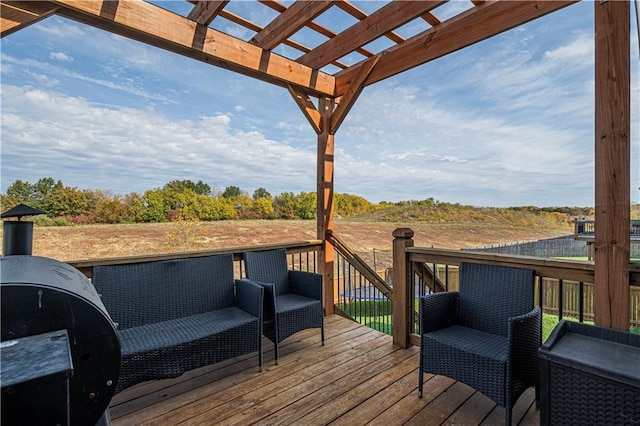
<point>325,97</point>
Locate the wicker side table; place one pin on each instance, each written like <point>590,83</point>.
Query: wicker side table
<point>590,376</point>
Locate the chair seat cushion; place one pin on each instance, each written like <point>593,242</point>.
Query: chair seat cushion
<point>295,313</point>
<point>471,356</point>
<point>470,340</point>
<point>166,334</point>
<point>293,302</point>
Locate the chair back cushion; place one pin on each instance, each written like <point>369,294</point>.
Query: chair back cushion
<point>268,266</point>
<point>137,294</point>
<point>490,295</point>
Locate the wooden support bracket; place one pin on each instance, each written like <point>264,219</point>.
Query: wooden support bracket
<point>307,107</point>
<point>352,93</point>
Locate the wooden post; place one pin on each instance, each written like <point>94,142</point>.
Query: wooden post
<point>612,163</point>
<point>402,292</point>
<point>326,107</point>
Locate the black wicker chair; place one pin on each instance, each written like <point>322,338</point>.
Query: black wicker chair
<point>486,335</point>
<point>177,315</point>
<point>292,299</point>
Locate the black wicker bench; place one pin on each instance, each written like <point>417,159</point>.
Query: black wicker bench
<point>177,315</point>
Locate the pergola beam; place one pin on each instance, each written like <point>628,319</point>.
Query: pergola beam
<point>479,23</point>
<point>153,25</point>
<point>386,19</point>
<point>15,15</point>
<point>612,161</point>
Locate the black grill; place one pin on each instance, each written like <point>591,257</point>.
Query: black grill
<point>44,299</point>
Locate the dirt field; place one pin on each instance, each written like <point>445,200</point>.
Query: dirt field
<point>104,241</point>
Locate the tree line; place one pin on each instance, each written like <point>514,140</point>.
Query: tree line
<point>176,200</point>
<point>181,200</point>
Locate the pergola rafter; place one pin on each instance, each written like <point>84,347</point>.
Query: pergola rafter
<point>204,12</point>
<point>366,30</point>
<point>360,64</point>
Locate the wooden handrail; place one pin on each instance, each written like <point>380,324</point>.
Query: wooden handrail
<point>359,264</point>
<point>86,266</point>
<point>557,268</point>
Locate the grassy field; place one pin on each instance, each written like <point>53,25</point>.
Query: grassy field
<point>105,241</point>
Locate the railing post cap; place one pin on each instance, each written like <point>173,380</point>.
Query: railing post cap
<point>403,233</point>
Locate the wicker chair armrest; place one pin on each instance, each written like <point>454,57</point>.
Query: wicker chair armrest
<point>306,284</point>
<point>438,311</point>
<point>250,297</point>
<point>269,298</point>
<point>525,338</point>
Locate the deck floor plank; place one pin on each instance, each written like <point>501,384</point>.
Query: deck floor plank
<point>358,377</point>
<point>443,406</point>
<point>254,406</point>
<point>410,405</point>
<point>319,407</point>
<point>226,398</point>
<point>333,408</point>
<point>473,411</point>
<point>384,399</point>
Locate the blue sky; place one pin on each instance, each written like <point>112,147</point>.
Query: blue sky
<point>506,122</point>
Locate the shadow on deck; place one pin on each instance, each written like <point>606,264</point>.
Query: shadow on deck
<point>358,377</point>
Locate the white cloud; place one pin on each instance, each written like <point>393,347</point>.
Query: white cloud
<point>128,149</point>
<point>62,29</point>
<point>60,56</point>
<point>127,87</point>
<point>580,49</point>
<point>44,79</point>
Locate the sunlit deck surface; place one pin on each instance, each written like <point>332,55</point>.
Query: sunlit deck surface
<point>357,377</point>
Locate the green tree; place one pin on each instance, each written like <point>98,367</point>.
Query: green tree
<point>263,208</point>
<point>261,193</point>
<point>349,205</point>
<point>199,187</point>
<point>305,205</point>
<point>284,205</point>
<point>180,203</point>
<point>19,192</point>
<point>68,201</point>
<point>231,192</point>
<point>150,206</point>
<point>45,187</point>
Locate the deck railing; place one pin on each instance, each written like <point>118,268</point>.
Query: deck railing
<point>361,294</point>
<point>302,256</point>
<point>564,288</point>
<point>586,230</point>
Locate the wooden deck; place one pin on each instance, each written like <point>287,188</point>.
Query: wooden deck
<point>357,378</point>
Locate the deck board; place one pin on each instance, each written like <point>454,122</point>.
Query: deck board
<point>357,377</point>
